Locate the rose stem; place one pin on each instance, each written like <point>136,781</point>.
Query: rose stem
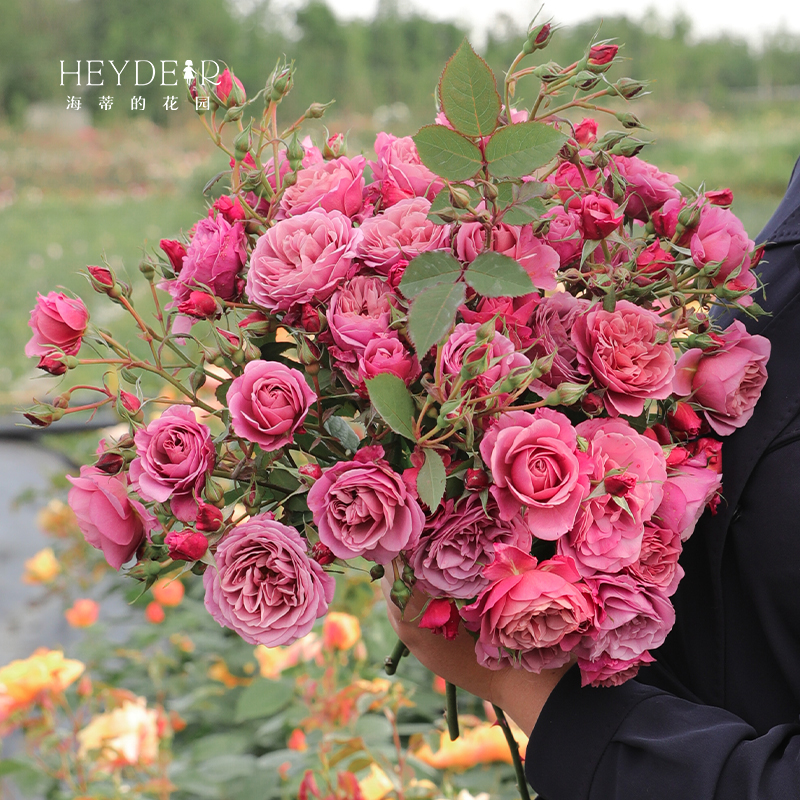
<point>522,784</point>
<point>391,662</point>
<point>451,710</point>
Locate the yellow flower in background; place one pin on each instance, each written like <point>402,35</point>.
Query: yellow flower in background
<point>480,745</point>
<point>340,631</point>
<point>83,614</point>
<point>220,672</point>
<point>42,567</point>
<point>126,736</point>
<point>272,661</point>
<point>376,785</point>
<point>57,519</point>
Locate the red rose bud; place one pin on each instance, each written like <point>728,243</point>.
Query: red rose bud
<point>311,319</point>
<point>322,554</point>
<point>441,617</point>
<point>130,402</point>
<point>476,480</point>
<point>396,274</point>
<point>677,456</point>
<point>229,89</point>
<point>110,463</point>
<point>53,363</point>
<point>313,471</point>
<point>257,324</point>
<point>684,419</point>
<point>186,545</point>
<point>230,208</point>
<point>601,55</point>
<point>43,415</point>
<point>538,37</point>
<point>619,485</point>
<point>628,88</point>
<point>209,518</point>
<point>598,216</point>
<point>199,305</point>
<point>758,254</point>
<point>334,147</point>
<point>708,449</point>
<point>720,197</point>
<point>591,404</point>
<point>102,278</point>
<point>175,251</point>
<point>654,261</point>
<point>586,131</point>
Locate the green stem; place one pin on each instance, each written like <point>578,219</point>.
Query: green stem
<point>451,710</point>
<point>522,784</point>
<point>391,662</point>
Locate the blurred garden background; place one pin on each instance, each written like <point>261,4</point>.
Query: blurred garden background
<point>107,181</point>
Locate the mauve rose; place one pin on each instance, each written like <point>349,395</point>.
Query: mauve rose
<point>301,259</point>
<point>565,234</point>
<point>363,508</point>
<point>657,564</point>
<point>108,518</point>
<point>174,453</point>
<point>551,326</point>
<point>607,671</point>
<point>536,464</point>
<point>458,541</point>
<point>265,587</point>
<point>528,607</point>
<point>268,403</point>
<point>401,232</point>
<point>725,381</point>
<point>336,185</point>
<point>598,216</point>
<point>647,187</point>
<point>721,237</point>
<point>216,256</point>
<point>358,312</point>
<point>512,316</point>
<point>388,354</point>
<point>687,491</point>
<point>607,534</point>
<point>627,353</point>
<point>400,171</point>
<point>58,323</point>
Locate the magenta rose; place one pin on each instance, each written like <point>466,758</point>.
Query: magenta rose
<point>600,216</point>
<point>570,180</point>
<point>721,238</point>
<point>628,353</point>
<point>336,185</point>
<point>108,518</point>
<point>657,564</point>
<point>58,323</point>
<point>265,587</point>
<point>539,610</point>
<point>607,671</point>
<point>268,403</point>
<point>363,508</point>
<point>537,468</point>
<point>631,469</point>
<point>565,234</point>
<point>512,316</point>
<point>401,232</point>
<point>174,454</point>
<point>301,259</point>
<point>727,380</point>
<point>687,491</point>
<point>400,171</point>
<point>388,354</point>
<point>647,187</point>
<point>458,541</point>
<point>358,312</point>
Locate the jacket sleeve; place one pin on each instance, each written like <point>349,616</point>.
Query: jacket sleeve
<point>638,741</point>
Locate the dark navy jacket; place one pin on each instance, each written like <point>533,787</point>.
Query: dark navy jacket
<point>718,716</point>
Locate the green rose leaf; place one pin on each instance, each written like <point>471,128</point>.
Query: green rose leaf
<point>393,402</point>
<point>429,269</point>
<point>263,698</point>
<point>523,213</point>
<point>431,480</point>
<point>343,433</point>
<point>495,275</point>
<point>517,150</point>
<point>468,93</point>
<point>432,314</point>
<point>447,153</point>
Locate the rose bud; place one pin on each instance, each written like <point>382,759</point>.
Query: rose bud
<point>586,132</point>
<point>322,554</point>
<point>43,415</point>
<point>313,471</point>
<point>476,480</point>
<point>677,456</point>
<point>102,278</point>
<point>175,251</point>
<point>199,305</point>
<point>229,89</point>
<point>186,545</point>
<point>257,324</point>
<point>334,147</point>
<point>209,518</point>
<point>597,216</point>
<point>230,208</point>
<point>720,197</point>
<point>311,319</point>
<point>601,55</point>
<point>538,38</point>
<point>619,485</point>
<point>684,419</point>
<point>110,463</point>
<point>53,363</point>
<point>441,617</point>
<point>130,402</point>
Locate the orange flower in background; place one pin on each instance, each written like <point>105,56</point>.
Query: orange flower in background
<point>340,631</point>
<point>42,567</point>
<point>480,745</point>
<point>154,613</point>
<point>219,672</point>
<point>297,741</point>
<point>83,614</point>
<point>168,591</point>
<point>57,519</point>
<point>439,684</point>
<point>272,661</point>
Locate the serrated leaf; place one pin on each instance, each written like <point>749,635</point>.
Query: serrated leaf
<point>432,314</point>
<point>447,153</point>
<point>429,269</point>
<point>496,275</point>
<point>442,200</point>
<point>393,402</point>
<point>524,213</point>
<point>263,698</point>
<point>468,93</point>
<point>517,150</point>
<point>431,480</point>
<point>343,433</point>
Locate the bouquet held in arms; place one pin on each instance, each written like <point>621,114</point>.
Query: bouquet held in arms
<point>480,360</point>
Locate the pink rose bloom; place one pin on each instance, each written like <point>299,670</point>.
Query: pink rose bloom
<point>565,234</point>
<point>388,354</point>
<point>637,619</point>
<point>570,183</point>
<point>721,237</point>
<point>599,216</point>
<point>687,491</point>
<point>458,541</point>
<point>108,518</point>
<point>607,671</point>
<point>652,263</point>
<point>268,403</point>
<point>363,508</point>
<point>214,259</point>
<point>725,381</point>
<point>401,232</point>
<point>647,187</point>
<point>265,586</point>
<point>512,316</point>
<point>608,531</point>
<point>586,131</point>
<point>174,453</point>
<point>658,559</point>
<point>535,462</point>
<point>400,171</point>
<point>336,185</point>
<point>359,311</point>
<point>58,323</point>
<point>626,352</point>
<point>301,259</point>
<point>528,607</point>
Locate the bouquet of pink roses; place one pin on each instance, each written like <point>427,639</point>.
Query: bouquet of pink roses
<point>482,362</point>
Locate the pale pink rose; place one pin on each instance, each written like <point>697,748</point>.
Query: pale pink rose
<point>174,454</point>
<point>388,354</point>
<point>537,469</point>
<point>725,381</point>
<point>528,607</point>
<point>363,508</point>
<point>401,232</point>
<point>58,323</point>
<point>647,187</point>
<point>628,353</point>
<point>301,259</point>
<point>265,587</point>
<point>657,564</point>
<point>108,518</point>
<point>336,185</point>
<point>268,403</point>
<point>565,234</point>
<point>512,316</point>
<point>607,671</point>
<point>359,311</point>
<point>721,238</point>
<point>458,541</point>
<point>400,171</point>
<point>687,491</point>
<point>608,531</point>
